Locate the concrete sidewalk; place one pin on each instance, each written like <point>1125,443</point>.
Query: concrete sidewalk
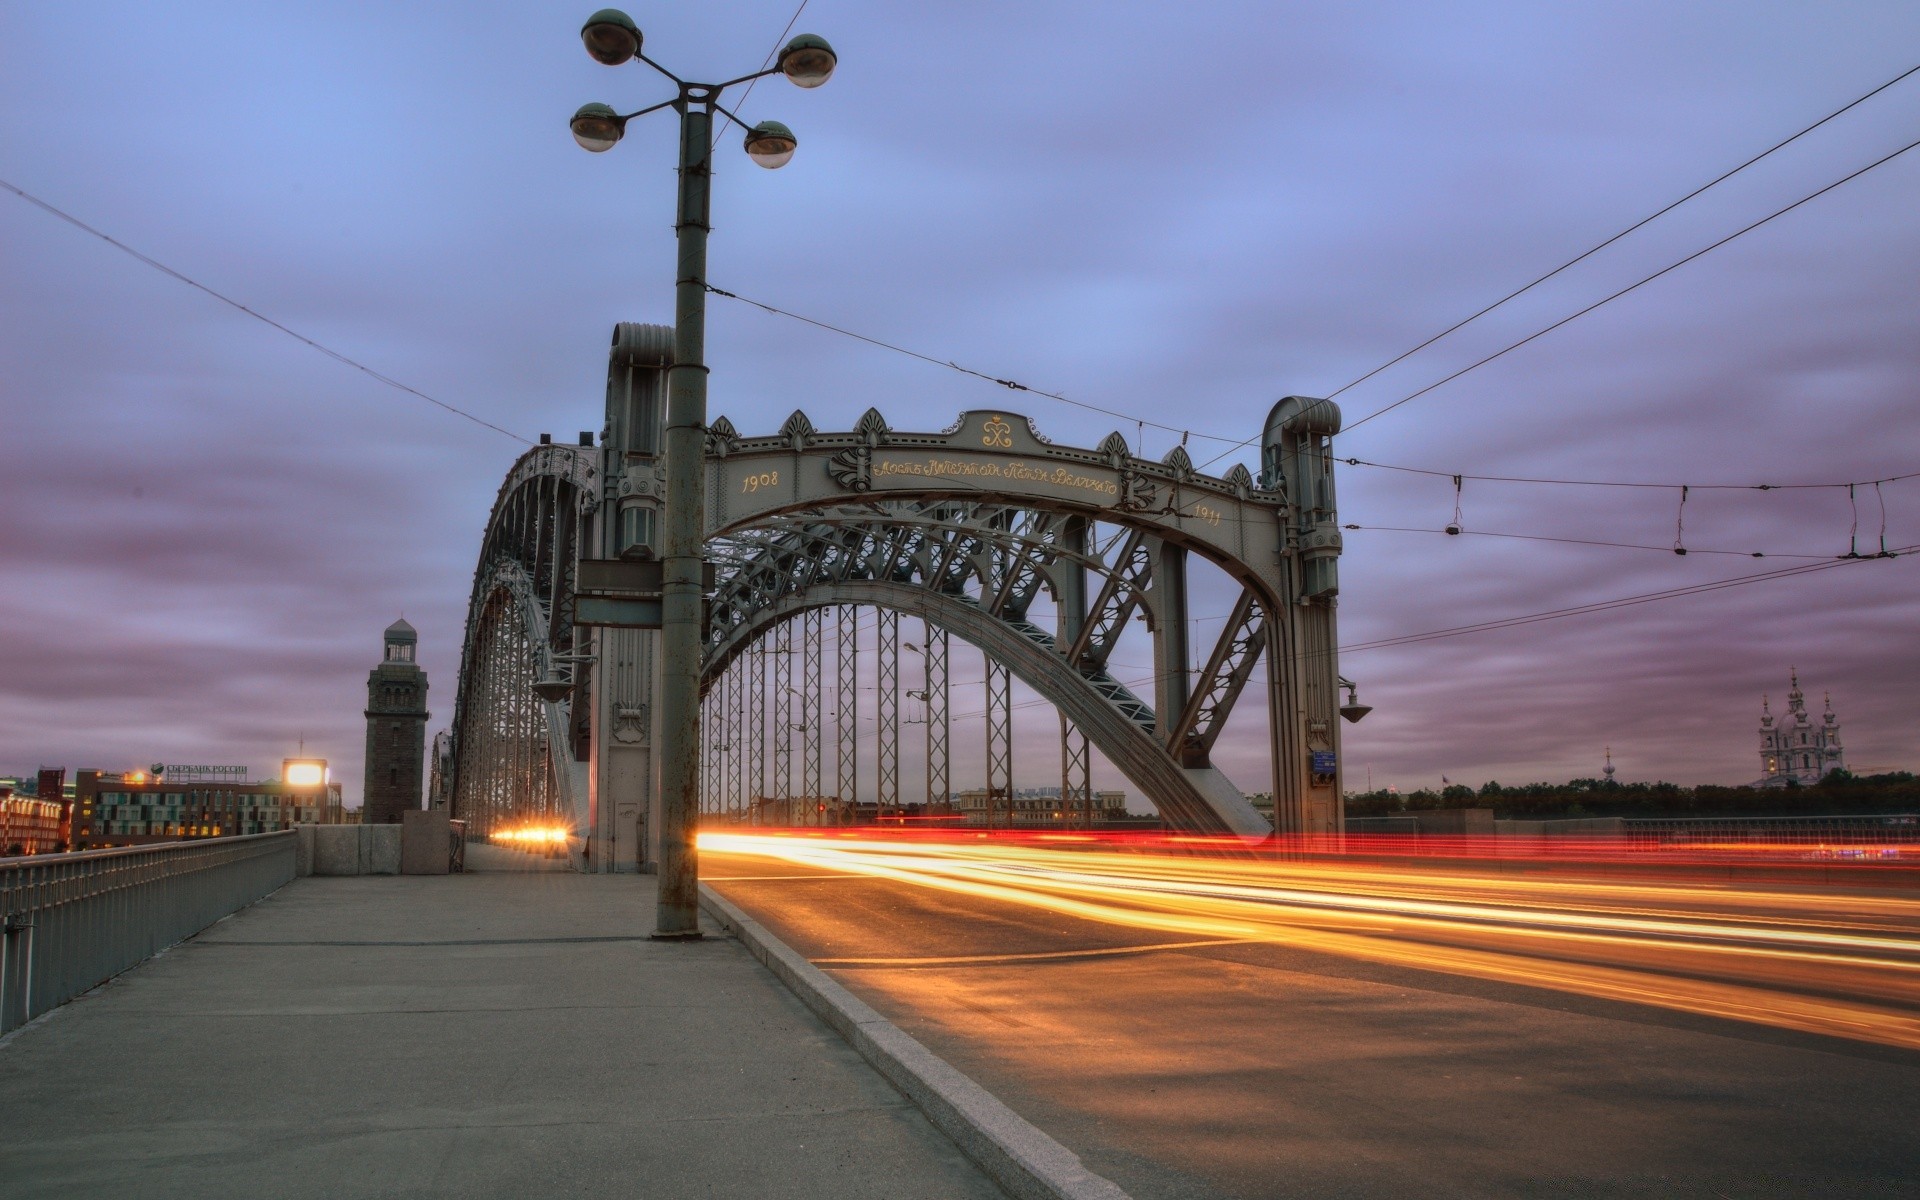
<point>480,1035</point>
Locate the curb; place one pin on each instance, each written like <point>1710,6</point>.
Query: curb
<point>1013,1152</point>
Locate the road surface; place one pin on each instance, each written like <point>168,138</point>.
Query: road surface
<point>1195,1028</point>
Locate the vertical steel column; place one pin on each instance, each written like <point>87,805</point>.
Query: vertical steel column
<point>737,739</point>
<point>707,728</point>
<point>847,708</point>
<point>757,721</point>
<point>811,625</point>
<point>887,726</point>
<point>1172,675</point>
<point>1076,787</point>
<point>999,740</point>
<point>782,653</point>
<point>939,786</point>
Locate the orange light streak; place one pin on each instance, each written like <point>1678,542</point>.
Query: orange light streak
<point>1831,962</point>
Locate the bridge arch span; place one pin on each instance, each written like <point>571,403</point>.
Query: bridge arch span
<point>1182,794</point>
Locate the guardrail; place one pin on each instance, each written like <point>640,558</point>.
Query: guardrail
<point>73,921</point>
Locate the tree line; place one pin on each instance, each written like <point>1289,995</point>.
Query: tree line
<point>1841,793</point>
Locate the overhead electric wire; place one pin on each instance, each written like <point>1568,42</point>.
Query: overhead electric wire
<point>1010,384</point>
<point>766,62</point>
<point>1622,601</point>
<point>1641,223</point>
<point>336,355</point>
<point>1536,537</point>
<point>1605,300</point>
<point>1539,333</point>
<point>1610,483</point>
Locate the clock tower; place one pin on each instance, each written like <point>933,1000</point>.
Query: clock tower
<point>396,730</point>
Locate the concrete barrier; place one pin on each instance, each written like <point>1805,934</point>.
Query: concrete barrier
<point>425,847</point>
<point>353,850</point>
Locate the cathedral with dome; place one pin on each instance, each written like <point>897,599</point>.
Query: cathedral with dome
<point>1794,747</point>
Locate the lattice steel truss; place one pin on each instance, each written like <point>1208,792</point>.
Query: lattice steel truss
<point>513,753</point>
<point>1076,775</point>
<point>976,569</point>
<point>813,624</point>
<point>847,710</point>
<point>965,529</point>
<point>999,683</point>
<point>887,711</point>
<point>939,723</point>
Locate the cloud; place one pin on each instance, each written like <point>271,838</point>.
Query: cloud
<point>204,526</point>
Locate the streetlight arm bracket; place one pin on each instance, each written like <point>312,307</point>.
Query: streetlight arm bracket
<point>729,115</point>
<point>651,108</point>
<point>677,81</point>
<point>721,87</point>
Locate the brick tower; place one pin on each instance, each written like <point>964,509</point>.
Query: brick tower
<point>396,730</point>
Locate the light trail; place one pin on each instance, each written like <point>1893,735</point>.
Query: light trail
<point>1828,962</point>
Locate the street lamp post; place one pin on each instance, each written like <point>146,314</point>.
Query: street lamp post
<point>612,38</point>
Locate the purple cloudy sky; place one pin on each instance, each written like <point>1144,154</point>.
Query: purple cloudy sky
<point>1180,211</point>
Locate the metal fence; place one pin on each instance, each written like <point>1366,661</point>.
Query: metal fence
<point>73,921</point>
<point>1843,836</point>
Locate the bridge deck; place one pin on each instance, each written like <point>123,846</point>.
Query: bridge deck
<point>493,1034</point>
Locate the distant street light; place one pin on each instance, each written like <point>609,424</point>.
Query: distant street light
<point>611,37</point>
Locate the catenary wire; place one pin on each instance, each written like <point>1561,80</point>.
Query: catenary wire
<point>1609,483</point>
<point>1011,385</point>
<point>1623,601</point>
<point>1642,223</point>
<point>1536,537</point>
<point>767,62</point>
<point>1605,300</point>
<point>164,269</point>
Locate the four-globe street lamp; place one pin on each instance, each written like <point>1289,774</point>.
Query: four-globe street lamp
<point>612,38</point>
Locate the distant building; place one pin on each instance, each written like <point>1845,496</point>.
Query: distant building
<point>396,730</point>
<point>139,808</point>
<point>1797,748</point>
<point>30,825</point>
<point>1036,808</point>
<point>440,771</point>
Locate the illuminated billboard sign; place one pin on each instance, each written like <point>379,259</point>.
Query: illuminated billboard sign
<point>303,772</point>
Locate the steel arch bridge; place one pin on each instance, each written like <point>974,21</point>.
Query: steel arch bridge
<point>1041,556</point>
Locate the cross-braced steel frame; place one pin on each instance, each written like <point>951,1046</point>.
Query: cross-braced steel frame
<point>513,753</point>
<point>966,530</point>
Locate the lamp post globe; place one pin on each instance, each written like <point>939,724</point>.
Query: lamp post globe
<point>771,144</point>
<point>597,127</point>
<point>611,37</point>
<point>808,60</point>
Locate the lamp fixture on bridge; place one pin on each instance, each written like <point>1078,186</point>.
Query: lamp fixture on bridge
<point>597,127</point>
<point>612,38</point>
<point>554,688</point>
<point>771,144</point>
<point>1353,710</point>
<point>557,687</point>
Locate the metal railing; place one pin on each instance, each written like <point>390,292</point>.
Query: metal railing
<point>73,921</point>
<point>1845,836</point>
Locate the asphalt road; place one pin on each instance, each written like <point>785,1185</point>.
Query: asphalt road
<point>1181,1065</point>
